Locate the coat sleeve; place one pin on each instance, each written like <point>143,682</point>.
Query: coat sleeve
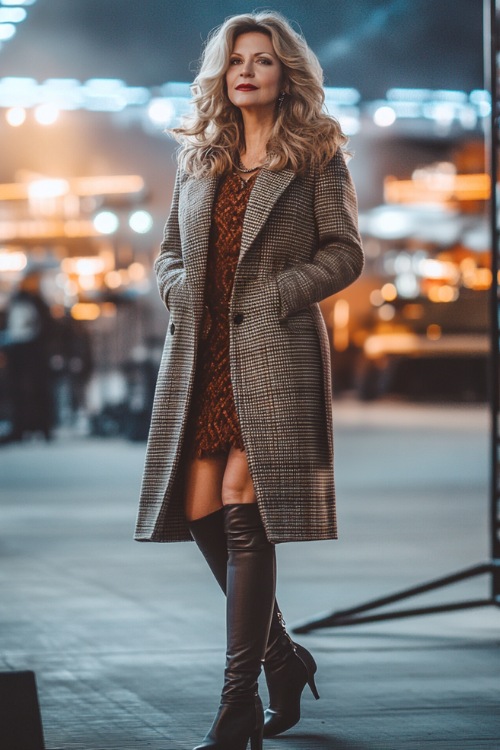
<point>339,259</point>
<point>168,266</point>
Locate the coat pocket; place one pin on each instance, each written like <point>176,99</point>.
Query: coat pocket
<point>175,291</point>
<point>301,321</point>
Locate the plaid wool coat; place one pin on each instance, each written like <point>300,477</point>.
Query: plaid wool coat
<point>300,244</point>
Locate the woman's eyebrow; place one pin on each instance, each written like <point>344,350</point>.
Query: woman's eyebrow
<point>255,54</point>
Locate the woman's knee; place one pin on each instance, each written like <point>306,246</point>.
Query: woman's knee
<point>237,484</point>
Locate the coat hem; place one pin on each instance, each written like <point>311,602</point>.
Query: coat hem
<point>281,540</point>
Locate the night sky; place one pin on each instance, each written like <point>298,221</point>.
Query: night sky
<point>372,45</point>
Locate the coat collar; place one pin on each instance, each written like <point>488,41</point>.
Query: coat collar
<point>268,187</point>
<point>197,204</point>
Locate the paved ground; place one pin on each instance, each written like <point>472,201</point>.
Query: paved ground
<point>127,640</point>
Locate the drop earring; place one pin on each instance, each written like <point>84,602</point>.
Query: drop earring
<point>281,99</point>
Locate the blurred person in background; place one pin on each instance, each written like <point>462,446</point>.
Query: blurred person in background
<point>27,341</point>
<point>72,365</point>
<point>263,225</point>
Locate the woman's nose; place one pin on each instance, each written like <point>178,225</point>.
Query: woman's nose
<point>247,70</point>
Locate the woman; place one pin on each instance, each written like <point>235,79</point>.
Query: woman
<point>263,226</point>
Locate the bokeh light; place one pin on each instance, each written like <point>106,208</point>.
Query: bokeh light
<point>12,15</point>
<point>46,114</point>
<point>161,111</point>
<point>106,222</point>
<point>384,116</point>
<point>7,31</point>
<point>15,116</point>
<point>141,221</point>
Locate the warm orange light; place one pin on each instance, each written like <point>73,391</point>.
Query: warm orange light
<point>82,186</point>
<point>390,343</point>
<point>442,293</point>
<point>341,325</point>
<point>136,271</point>
<point>29,229</point>
<point>113,279</point>
<point>483,278</point>
<point>438,188</point>
<point>83,266</point>
<point>87,282</point>
<point>13,191</point>
<point>108,184</point>
<point>79,228</point>
<point>85,311</point>
<point>476,278</point>
<point>389,292</point>
<point>434,332</point>
<point>413,311</point>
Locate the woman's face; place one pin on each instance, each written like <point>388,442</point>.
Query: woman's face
<point>254,75</point>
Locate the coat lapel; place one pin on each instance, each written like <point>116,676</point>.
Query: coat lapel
<point>266,191</point>
<point>195,210</point>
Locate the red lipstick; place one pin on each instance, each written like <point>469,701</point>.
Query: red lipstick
<point>246,87</point>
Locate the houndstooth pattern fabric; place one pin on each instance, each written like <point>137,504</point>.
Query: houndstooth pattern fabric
<point>300,244</point>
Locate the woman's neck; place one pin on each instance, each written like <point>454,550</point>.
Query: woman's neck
<point>257,131</point>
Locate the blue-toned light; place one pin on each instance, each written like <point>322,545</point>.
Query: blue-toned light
<point>7,31</point>
<point>12,15</point>
<point>339,95</point>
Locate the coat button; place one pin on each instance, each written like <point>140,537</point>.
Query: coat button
<point>238,319</point>
<point>172,327</point>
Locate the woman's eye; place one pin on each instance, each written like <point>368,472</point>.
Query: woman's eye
<point>265,60</point>
<point>234,61</point>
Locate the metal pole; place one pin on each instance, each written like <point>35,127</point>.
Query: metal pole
<point>491,141</point>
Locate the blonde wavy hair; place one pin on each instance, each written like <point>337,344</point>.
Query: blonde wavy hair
<point>303,136</point>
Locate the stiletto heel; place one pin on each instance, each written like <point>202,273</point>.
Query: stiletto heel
<point>312,684</point>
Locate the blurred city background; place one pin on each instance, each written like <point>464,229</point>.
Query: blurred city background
<point>87,89</point>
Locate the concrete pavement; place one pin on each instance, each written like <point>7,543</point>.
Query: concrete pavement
<point>127,639</point>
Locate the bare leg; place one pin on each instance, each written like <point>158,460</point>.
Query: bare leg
<point>203,486</point>
<point>237,485</point>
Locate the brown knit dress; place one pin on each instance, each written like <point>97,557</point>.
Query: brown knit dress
<point>213,425</point>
